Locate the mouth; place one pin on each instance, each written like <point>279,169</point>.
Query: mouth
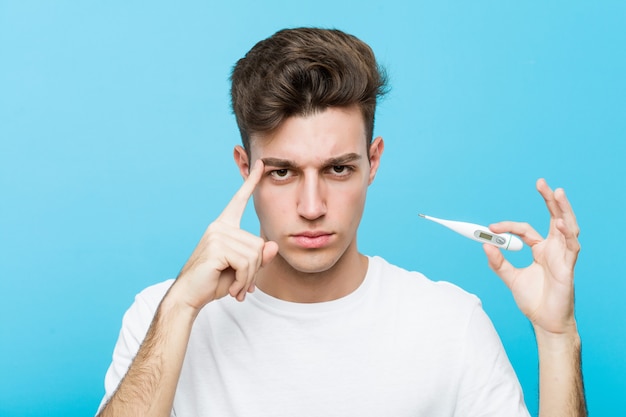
<point>312,240</point>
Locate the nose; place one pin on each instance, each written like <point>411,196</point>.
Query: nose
<point>311,197</point>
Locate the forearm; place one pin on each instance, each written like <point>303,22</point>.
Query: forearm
<point>150,384</point>
<point>561,391</point>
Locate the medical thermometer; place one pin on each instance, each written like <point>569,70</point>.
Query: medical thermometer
<point>480,233</point>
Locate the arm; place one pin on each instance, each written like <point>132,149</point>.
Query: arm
<point>561,390</point>
<point>149,384</point>
<point>224,262</point>
<point>544,292</point>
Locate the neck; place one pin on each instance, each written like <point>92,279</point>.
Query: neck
<point>281,280</point>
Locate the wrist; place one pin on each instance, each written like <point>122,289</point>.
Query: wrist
<point>560,342</point>
<point>174,304</point>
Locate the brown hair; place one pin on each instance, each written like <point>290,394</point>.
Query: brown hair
<point>297,72</point>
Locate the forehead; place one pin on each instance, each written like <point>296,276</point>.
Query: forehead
<point>315,137</point>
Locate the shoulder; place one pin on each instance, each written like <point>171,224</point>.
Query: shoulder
<point>154,293</point>
<point>146,303</point>
<point>416,288</point>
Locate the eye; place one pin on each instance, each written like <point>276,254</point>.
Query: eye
<point>280,174</point>
<point>341,170</point>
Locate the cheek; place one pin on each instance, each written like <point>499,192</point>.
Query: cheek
<point>349,198</point>
<point>353,189</point>
<point>260,202</point>
<point>269,202</point>
<point>350,194</point>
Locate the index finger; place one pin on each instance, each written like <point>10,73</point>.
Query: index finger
<point>234,210</point>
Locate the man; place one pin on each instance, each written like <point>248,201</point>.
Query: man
<point>330,331</point>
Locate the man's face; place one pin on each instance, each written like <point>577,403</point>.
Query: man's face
<point>311,198</point>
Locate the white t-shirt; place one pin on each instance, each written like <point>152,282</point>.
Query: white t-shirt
<point>399,345</point>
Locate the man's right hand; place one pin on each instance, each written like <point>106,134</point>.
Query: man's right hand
<point>227,258</point>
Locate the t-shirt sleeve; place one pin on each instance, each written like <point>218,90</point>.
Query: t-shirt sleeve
<point>135,324</point>
<point>489,385</point>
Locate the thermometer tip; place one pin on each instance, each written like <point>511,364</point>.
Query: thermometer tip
<point>421,215</point>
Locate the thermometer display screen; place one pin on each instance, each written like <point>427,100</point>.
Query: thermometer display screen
<point>485,236</point>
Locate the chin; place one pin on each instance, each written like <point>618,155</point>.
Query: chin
<point>310,263</point>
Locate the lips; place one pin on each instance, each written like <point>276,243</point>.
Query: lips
<point>312,240</point>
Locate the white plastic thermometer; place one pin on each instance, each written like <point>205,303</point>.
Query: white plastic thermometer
<point>480,233</point>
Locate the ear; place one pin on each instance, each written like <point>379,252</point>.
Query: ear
<point>241,159</point>
<point>376,152</point>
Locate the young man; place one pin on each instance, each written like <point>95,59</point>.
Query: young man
<point>330,331</point>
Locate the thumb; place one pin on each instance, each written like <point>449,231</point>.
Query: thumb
<point>270,249</point>
<point>499,264</point>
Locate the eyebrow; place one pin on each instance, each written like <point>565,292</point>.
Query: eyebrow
<point>338,160</point>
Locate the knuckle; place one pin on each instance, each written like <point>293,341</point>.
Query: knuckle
<point>254,261</point>
<point>213,228</point>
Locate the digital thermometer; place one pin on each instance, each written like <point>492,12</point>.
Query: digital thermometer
<point>480,233</point>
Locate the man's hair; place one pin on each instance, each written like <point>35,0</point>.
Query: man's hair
<point>298,72</point>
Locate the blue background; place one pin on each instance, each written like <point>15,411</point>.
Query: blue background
<point>115,153</point>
